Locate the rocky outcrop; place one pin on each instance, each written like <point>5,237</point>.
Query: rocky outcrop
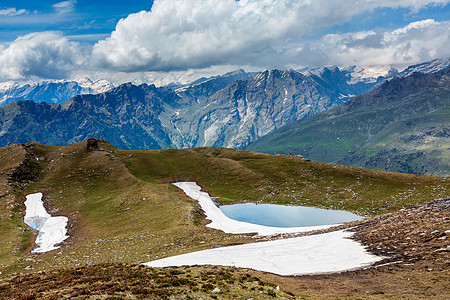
<point>92,144</point>
<point>420,232</point>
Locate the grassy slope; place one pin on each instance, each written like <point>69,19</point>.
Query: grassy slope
<point>243,176</point>
<point>348,140</point>
<point>414,145</point>
<point>113,216</point>
<point>121,207</point>
<point>14,234</point>
<point>415,239</point>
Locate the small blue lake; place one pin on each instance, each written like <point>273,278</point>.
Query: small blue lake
<point>286,216</point>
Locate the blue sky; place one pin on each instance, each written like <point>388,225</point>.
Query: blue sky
<point>389,18</point>
<point>92,19</point>
<point>175,39</point>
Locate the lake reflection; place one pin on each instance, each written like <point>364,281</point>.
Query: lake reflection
<point>286,216</point>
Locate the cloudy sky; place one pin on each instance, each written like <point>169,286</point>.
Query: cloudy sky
<point>178,40</point>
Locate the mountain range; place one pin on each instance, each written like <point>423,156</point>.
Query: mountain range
<point>225,111</point>
<point>59,91</point>
<point>403,125</point>
<point>238,108</point>
<point>122,209</point>
<point>51,91</point>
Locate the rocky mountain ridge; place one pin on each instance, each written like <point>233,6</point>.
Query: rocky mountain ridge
<point>231,110</point>
<point>213,112</point>
<point>402,126</point>
<point>51,91</point>
<point>59,91</point>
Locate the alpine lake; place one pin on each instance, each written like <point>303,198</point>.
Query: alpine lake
<point>286,216</point>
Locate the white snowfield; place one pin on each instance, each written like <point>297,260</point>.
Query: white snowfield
<point>224,223</point>
<point>52,230</point>
<point>321,253</point>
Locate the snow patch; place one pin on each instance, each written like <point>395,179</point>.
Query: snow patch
<point>322,253</point>
<point>8,85</point>
<point>52,230</point>
<point>221,222</point>
<point>285,95</point>
<point>211,133</point>
<point>427,67</point>
<point>369,74</point>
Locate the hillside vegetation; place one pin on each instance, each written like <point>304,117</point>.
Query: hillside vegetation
<point>123,209</point>
<point>415,239</point>
<point>401,126</point>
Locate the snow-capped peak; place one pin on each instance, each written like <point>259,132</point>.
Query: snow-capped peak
<point>92,86</point>
<point>8,85</point>
<point>51,91</point>
<point>370,74</point>
<point>427,67</point>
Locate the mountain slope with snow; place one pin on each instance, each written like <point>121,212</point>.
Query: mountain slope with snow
<point>51,91</point>
<point>232,110</point>
<point>208,113</point>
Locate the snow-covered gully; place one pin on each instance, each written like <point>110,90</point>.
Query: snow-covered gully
<point>52,230</point>
<point>321,253</point>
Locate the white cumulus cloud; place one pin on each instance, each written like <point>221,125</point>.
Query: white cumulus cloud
<point>417,42</point>
<point>182,34</point>
<point>188,37</point>
<point>42,55</point>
